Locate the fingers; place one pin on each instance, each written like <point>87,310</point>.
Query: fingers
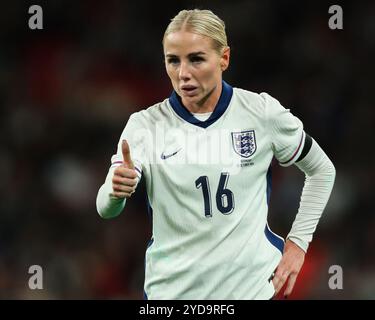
<point>128,162</point>
<point>124,182</point>
<point>122,188</point>
<point>122,191</point>
<point>290,286</point>
<point>279,280</point>
<point>124,179</point>
<point>282,277</point>
<point>131,182</point>
<point>289,267</point>
<point>121,195</point>
<point>123,172</point>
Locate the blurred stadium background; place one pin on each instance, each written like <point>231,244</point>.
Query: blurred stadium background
<point>67,91</point>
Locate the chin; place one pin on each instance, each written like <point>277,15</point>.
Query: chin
<point>194,99</point>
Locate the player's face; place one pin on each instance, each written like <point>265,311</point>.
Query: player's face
<point>194,67</point>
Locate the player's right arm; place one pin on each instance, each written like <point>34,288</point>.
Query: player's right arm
<point>119,185</point>
<point>126,168</point>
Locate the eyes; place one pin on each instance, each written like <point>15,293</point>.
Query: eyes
<point>173,60</point>
<point>193,59</point>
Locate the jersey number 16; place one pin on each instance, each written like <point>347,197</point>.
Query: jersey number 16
<point>224,197</point>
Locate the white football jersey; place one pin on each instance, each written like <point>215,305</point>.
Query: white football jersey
<point>208,185</point>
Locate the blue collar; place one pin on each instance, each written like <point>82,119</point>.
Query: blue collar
<point>222,105</point>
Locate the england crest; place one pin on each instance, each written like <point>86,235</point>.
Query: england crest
<point>244,143</point>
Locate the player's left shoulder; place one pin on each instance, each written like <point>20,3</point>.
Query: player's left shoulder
<point>245,94</point>
<point>252,101</point>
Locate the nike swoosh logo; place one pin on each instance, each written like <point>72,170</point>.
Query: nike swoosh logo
<point>166,156</point>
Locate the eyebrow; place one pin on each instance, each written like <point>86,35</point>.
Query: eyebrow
<point>192,54</point>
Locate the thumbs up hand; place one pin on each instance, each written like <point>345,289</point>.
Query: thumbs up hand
<point>124,178</point>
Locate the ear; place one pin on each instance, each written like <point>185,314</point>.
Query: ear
<point>224,60</point>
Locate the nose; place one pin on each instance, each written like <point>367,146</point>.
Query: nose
<point>184,73</point>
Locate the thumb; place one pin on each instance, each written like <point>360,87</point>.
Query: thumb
<point>126,155</point>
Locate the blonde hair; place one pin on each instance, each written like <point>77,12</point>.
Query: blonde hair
<point>202,22</point>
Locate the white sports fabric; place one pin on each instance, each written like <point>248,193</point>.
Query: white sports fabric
<point>320,176</point>
<point>208,184</point>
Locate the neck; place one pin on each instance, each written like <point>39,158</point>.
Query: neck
<point>208,103</point>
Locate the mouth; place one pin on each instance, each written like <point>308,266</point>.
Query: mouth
<point>188,90</point>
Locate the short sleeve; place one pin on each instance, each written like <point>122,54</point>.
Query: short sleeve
<point>285,131</point>
<point>136,136</point>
